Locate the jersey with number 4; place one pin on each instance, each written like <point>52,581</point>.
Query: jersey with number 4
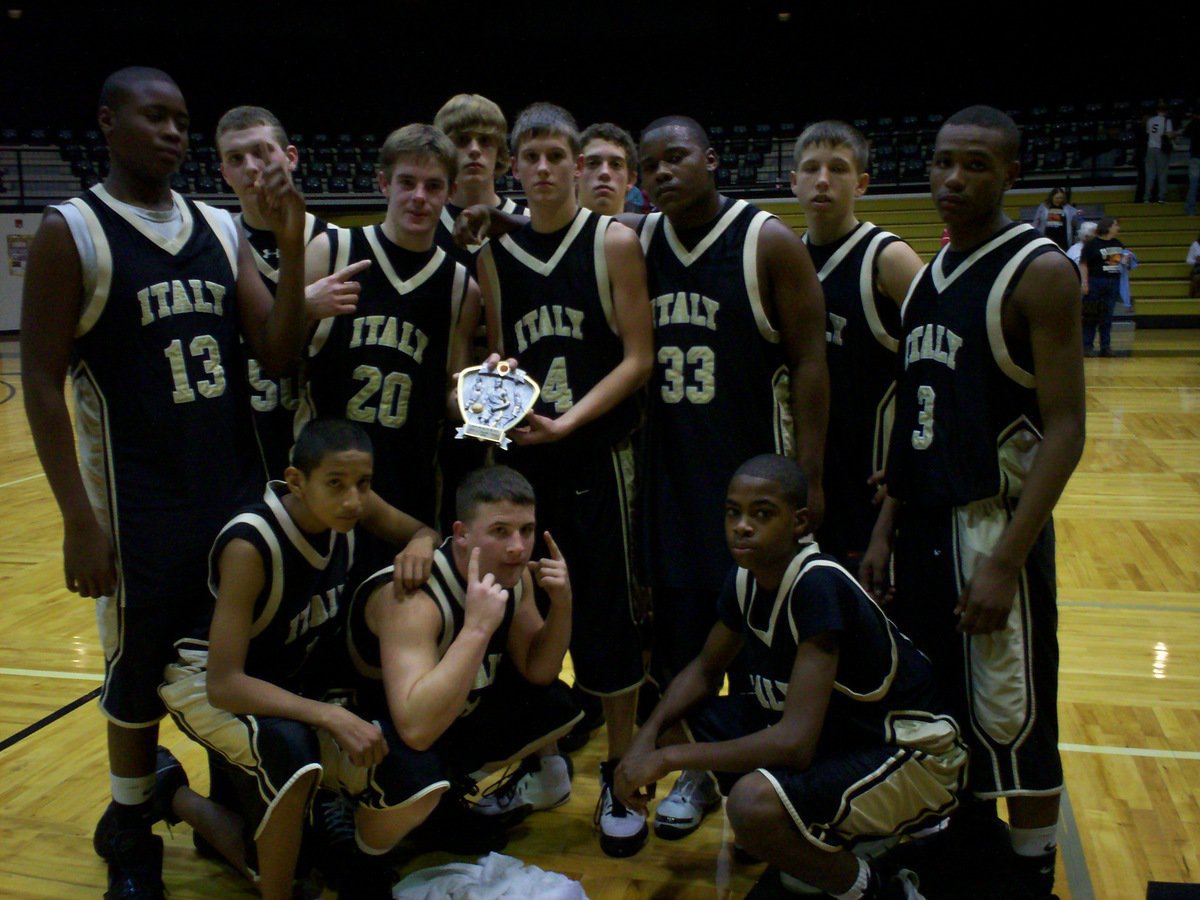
<point>163,428</point>
<point>967,425</point>
<point>384,365</point>
<point>719,394</point>
<point>554,299</point>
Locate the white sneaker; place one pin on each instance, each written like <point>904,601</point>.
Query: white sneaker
<point>680,813</point>
<point>537,783</point>
<point>623,831</point>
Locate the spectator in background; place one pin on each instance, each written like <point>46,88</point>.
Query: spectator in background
<point>1087,231</point>
<point>1159,132</point>
<point>1102,262</point>
<point>1192,132</point>
<point>1193,260</point>
<point>1055,218</point>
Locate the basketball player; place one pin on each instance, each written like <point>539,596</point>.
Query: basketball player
<point>278,570</point>
<point>249,138</point>
<point>480,134</point>
<point>610,165</point>
<point>566,296</point>
<point>739,327</point>
<point>386,365</point>
<point>842,740</point>
<point>865,273</point>
<point>146,296</point>
<point>465,664</point>
<point>989,426</point>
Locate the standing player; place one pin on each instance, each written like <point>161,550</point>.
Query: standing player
<point>989,426</point>
<point>739,329</point>
<point>842,741</point>
<point>145,296</point>
<point>865,273</point>
<point>386,365</point>
<point>610,165</point>
<point>566,296</point>
<point>250,138</point>
<point>479,132</point>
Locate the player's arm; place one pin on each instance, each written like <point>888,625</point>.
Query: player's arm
<point>413,563</point>
<point>232,689</point>
<point>790,743</point>
<point>475,224</point>
<point>1046,302</point>
<point>898,265</point>
<point>631,311</point>
<point>50,309</point>
<point>462,340</point>
<point>536,646</point>
<point>873,568</point>
<point>797,307</point>
<point>275,327</point>
<point>424,694</point>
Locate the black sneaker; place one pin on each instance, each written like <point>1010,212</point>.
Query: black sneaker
<point>333,847</point>
<point>623,831</point>
<point>135,869</point>
<point>114,821</point>
<point>169,777</point>
<point>454,828</point>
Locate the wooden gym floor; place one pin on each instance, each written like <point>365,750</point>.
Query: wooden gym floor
<point>1129,576</point>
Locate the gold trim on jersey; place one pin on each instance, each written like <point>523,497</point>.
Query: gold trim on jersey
<point>750,274</point>
<point>780,598</point>
<point>942,281</point>
<point>170,245</point>
<point>603,284</point>
<point>211,216</point>
<point>687,257</point>
<point>487,262</point>
<point>866,290</point>
<point>93,306</point>
<point>364,668</point>
<point>859,232</point>
<point>96,466</point>
<point>385,264</point>
<point>265,268</point>
<point>547,267</point>
<point>995,325</point>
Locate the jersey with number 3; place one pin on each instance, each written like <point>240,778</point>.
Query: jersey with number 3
<point>719,394</point>
<point>554,299</point>
<point>384,365</point>
<point>967,424</point>
<point>165,440</point>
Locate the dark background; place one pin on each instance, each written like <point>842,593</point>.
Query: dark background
<point>356,67</point>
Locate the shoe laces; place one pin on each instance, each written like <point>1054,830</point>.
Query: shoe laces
<point>508,785</point>
<point>337,819</point>
<point>607,803</point>
<point>688,786</point>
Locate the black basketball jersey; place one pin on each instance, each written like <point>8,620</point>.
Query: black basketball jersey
<point>967,423</point>
<point>274,401</point>
<point>448,590</point>
<point>554,299</point>
<point>445,232</point>
<point>384,365</point>
<point>301,599</point>
<point>861,329</point>
<point>879,673</point>
<point>719,393</point>
<point>166,445</point>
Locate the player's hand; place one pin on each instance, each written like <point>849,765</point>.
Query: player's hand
<point>363,741</point>
<point>280,203</point>
<point>89,563</point>
<point>473,225</point>
<point>413,565</point>
<point>873,571</point>
<point>493,360</point>
<point>551,574</point>
<point>486,601</point>
<point>336,294</point>
<point>878,481</point>
<point>986,601</point>
<point>535,429</point>
<point>635,773</point>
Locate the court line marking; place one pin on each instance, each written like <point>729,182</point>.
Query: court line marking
<point>1130,751</point>
<point>1138,607</point>
<point>41,673</point>
<point>20,480</point>
<point>1079,879</point>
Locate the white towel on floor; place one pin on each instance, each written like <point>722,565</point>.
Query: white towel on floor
<point>495,877</point>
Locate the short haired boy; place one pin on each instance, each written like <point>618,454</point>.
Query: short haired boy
<point>278,570</point>
<point>248,139</point>
<point>566,295</point>
<point>842,741</point>
<point>609,168</point>
<point>465,664</point>
<point>479,131</point>
<point>386,366</point>
<point>865,273</point>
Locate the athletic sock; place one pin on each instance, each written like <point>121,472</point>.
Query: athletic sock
<point>1033,858</point>
<point>132,798</point>
<point>1034,841</point>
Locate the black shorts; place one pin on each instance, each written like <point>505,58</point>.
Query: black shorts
<point>513,719</point>
<point>138,643</point>
<point>1002,687</point>
<point>265,755</point>
<point>584,500</point>
<point>849,795</point>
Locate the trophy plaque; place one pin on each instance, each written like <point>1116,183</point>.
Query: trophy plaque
<point>494,400</point>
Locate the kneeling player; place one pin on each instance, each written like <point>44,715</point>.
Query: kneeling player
<point>278,570</point>
<point>842,740</point>
<point>465,664</point>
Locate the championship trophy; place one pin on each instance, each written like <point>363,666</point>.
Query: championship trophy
<point>494,400</point>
